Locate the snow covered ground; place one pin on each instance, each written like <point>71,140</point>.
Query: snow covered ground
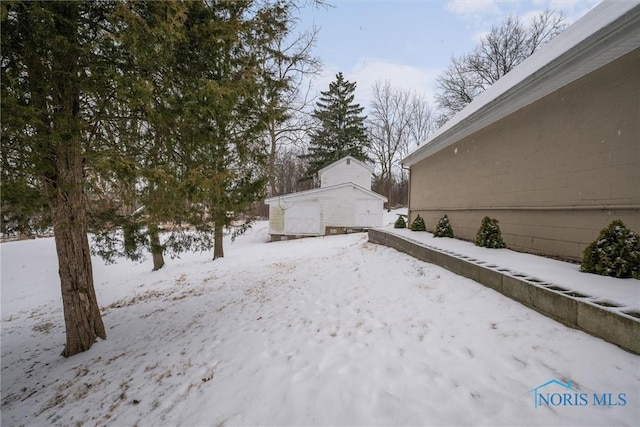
<point>623,292</point>
<point>319,331</point>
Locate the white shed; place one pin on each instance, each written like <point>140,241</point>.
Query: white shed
<point>344,203</point>
<point>347,169</point>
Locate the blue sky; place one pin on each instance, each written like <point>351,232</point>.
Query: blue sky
<point>409,42</point>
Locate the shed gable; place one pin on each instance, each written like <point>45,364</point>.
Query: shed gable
<point>347,169</point>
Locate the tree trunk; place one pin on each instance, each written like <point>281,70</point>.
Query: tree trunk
<point>62,138</point>
<point>156,247</point>
<point>388,189</point>
<point>82,317</point>
<point>272,162</point>
<point>218,234</point>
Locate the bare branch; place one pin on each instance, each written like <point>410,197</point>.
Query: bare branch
<point>497,53</point>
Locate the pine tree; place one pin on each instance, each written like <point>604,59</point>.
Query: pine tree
<point>129,114</point>
<point>443,229</point>
<point>400,222</point>
<point>489,234</point>
<point>197,157</point>
<point>341,131</point>
<point>616,252</point>
<point>224,112</point>
<point>418,224</point>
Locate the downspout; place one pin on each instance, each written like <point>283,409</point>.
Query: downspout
<point>408,191</point>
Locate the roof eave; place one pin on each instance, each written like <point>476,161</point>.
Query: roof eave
<point>513,92</point>
<point>331,165</point>
<point>298,194</point>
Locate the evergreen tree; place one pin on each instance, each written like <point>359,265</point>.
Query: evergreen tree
<point>443,229</point>
<point>616,252</point>
<point>400,222</point>
<point>145,184</point>
<point>224,112</point>
<point>341,130</point>
<point>128,114</point>
<point>199,159</point>
<point>418,224</point>
<point>55,72</point>
<point>489,234</point>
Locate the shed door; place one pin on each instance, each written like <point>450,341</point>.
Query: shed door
<point>368,213</point>
<point>302,218</point>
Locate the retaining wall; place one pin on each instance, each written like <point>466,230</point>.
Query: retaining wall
<point>592,314</point>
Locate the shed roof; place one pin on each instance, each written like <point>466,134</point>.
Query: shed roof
<point>609,31</point>
<point>316,191</point>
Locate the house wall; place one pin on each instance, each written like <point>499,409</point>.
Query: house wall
<point>553,173</point>
<point>342,172</point>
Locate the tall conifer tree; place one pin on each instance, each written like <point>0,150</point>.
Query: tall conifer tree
<point>51,97</point>
<point>132,104</point>
<point>341,131</point>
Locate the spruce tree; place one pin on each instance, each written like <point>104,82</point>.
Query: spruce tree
<point>341,131</point>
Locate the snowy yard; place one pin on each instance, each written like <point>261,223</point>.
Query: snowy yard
<point>319,331</point>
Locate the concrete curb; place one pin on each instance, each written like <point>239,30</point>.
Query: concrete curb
<point>598,317</point>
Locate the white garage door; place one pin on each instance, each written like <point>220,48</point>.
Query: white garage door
<point>368,213</point>
<point>302,218</point>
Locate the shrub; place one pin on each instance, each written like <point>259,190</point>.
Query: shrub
<point>400,222</point>
<point>489,235</point>
<point>418,224</point>
<point>443,229</point>
<point>615,253</point>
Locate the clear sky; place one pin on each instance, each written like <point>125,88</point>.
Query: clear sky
<point>409,42</point>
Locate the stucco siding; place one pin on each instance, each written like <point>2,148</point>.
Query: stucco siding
<point>553,173</point>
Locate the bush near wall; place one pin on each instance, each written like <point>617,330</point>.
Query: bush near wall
<point>418,224</point>
<point>489,235</point>
<point>616,253</point>
<point>443,229</point>
<point>400,222</point>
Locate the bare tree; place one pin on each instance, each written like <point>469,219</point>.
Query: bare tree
<point>498,52</point>
<point>290,64</point>
<point>398,120</point>
<point>289,171</point>
<point>422,123</point>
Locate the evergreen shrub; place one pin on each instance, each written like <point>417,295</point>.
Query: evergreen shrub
<point>400,222</point>
<point>616,253</point>
<point>443,229</point>
<point>418,224</point>
<point>489,235</point>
